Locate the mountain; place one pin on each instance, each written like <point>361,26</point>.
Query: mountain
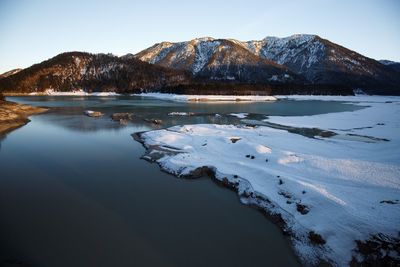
<point>91,72</point>
<point>317,60</point>
<point>391,64</point>
<point>218,59</point>
<point>298,64</point>
<point>9,73</point>
<point>322,61</point>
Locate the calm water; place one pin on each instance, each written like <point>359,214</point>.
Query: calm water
<point>73,192</point>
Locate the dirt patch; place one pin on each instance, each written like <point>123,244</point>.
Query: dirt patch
<point>14,115</point>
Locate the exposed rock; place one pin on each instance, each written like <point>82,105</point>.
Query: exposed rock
<point>91,113</point>
<point>235,139</point>
<point>285,194</point>
<point>303,209</point>
<point>14,115</point>
<point>199,172</point>
<point>396,201</point>
<point>378,250</point>
<point>122,118</point>
<point>316,238</point>
<point>153,121</point>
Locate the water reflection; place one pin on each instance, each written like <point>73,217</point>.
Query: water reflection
<point>155,106</point>
<point>67,111</point>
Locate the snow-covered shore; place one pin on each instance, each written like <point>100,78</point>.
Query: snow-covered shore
<point>206,98</point>
<point>75,93</point>
<point>355,98</point>
<point>338,190</point>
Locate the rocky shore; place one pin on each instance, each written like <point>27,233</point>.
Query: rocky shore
<point>14,115</point>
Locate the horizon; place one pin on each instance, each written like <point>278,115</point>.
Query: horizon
<point>35,31</point>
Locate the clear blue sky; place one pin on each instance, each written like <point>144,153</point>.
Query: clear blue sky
<point>34,30</point>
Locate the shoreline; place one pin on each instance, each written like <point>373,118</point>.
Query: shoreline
<point>301,180</point>
<point>249,198</point>
<point>208,98</point>
<point>14,115</point>
<point>214,97</point>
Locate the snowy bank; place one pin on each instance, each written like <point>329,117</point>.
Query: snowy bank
<point>206,98</point>
<point>330,192</point>
<point>74,93</point>
<point>355,98</point>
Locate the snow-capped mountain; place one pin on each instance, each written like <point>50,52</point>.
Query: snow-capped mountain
<point>299,52</point>
<point>94,72</point>
<point>316,59</point>
<point>319,60</point>
<point>217,59</point>
<point>298,64</point>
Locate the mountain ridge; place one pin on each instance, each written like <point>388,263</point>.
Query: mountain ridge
<point>318,60</point>
<point>300,63</point>
<point>217,59</point>
<point>85,71</point>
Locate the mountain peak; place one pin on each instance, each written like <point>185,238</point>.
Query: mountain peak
<point>298,37</point>
<point>204,39</point>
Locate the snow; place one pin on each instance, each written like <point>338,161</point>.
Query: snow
<point>88,112</point>
<point>239,115</point>
<point>380,118</point>
<point>201,49</point>
<point>388,62</point>
<point>175,113</point>
<point>205,48</point>
<point>341,182</point>
<point>157,52</point>
<point>74,93</point>
<point>360,98</point>
<point>103,94</point>
<point>201,98</point>
<point>299,48</point>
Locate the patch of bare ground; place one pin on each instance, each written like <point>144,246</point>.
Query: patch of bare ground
<point>14,115</point>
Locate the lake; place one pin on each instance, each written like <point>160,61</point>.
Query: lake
<point>74,191</point>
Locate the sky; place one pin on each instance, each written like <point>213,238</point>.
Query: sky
<point>34,30</point>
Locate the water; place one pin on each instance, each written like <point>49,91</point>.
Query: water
<point>74,192</point>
